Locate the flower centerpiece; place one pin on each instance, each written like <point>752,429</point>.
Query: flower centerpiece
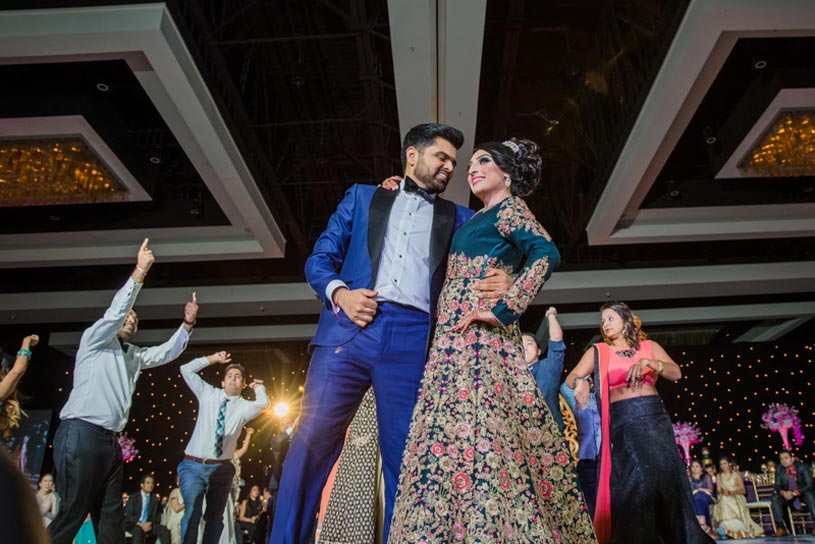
<point>129,451</point>
<point>781,418</point>
<point>686,435</point>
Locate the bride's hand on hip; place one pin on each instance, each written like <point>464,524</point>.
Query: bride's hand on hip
<point>484,316</point>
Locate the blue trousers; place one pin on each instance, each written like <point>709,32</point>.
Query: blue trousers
<point>197,481</point>
<point>389,354</point>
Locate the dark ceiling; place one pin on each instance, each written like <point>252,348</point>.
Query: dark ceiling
<point>307,88</point>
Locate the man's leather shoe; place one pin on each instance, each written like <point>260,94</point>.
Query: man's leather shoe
<point>780,532</point>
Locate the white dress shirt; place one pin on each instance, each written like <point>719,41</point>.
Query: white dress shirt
<point>106,372</point>
<point>238,412</point>
<point>404,269</point>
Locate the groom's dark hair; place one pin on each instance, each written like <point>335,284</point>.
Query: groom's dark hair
<point>422,136</point>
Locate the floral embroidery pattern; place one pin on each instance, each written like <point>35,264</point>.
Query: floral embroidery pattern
<point>514,214</point>
<point>485,461</point>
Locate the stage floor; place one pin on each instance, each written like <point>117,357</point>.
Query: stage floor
<point>774,539</point>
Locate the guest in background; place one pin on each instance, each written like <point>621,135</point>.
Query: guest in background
<point>207,467</point>
<point>173,512</point>
<point>10,411</point>
<point>793,482</point>
<point>229,535</point>
<point>731,511</point>
<point>46,499</point>
<point>710,469</point>
<point>589,436</point>
<point>250,513</point>
<point>279,445</point>
<point>87,455</point>
<point>142,517</point>
<point>547,371</point>
<point>702,486</point>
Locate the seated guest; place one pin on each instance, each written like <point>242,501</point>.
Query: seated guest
<point>173,513</point>
<point>143,514</point>
<point>250,512</point>
<point>589,436</point>
<point>731,511</point>
<point>547,371</point>
<point>46,498</point>
<point>702,486</point>
<point>793,482</point>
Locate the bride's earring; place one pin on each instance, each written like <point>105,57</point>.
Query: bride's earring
<point>507,181</point>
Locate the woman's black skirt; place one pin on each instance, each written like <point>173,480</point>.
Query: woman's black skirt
<point>651,500</point>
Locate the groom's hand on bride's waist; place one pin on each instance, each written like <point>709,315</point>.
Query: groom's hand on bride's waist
<point>358,304</point>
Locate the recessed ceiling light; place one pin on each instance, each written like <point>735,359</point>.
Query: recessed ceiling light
<point>155,159</point>
<point>760,64</point>
<point>195,211</point>
<point>55,218</point>
<point>102,87</point>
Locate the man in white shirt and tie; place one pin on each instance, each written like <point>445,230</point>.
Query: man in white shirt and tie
<point>207,469</point>
<point>143,514</point>
<point>87,455</point>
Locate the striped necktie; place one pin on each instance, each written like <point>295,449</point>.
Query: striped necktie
<point>219,429</point>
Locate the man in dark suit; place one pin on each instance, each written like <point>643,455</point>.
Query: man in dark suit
<point>143,514</point>
<point>378,269</point>
<point>793,483</point>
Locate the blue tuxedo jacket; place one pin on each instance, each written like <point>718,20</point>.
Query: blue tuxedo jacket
<point>351,246</point>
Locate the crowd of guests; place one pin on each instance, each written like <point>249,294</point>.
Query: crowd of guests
<point>720,497</point>
<point>488,412</point>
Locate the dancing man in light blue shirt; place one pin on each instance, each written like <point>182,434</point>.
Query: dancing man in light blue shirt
<point>87,455</point>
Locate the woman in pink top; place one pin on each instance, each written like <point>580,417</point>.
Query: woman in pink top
<point>643,494</point>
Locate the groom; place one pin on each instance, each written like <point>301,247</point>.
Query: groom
<point>378,269</point>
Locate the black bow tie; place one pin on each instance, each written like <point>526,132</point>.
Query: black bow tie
<point>412,187</point>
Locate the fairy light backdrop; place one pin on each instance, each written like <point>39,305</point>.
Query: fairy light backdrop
<point>724,391</point>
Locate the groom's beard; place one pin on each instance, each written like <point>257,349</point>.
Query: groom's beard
<point>433,182</point>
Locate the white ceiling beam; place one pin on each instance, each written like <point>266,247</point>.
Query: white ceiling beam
<point>769,332</point>
<point>258,300</point>
<point>437,46</point>
<point>67,342</point>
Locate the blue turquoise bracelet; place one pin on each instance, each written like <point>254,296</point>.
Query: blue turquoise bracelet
<point>24,353</point>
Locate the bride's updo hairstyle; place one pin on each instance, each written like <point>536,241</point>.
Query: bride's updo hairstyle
<point>519,159</point>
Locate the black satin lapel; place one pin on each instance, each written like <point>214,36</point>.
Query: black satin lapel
<point>378,214</point>
<point>444,221</point>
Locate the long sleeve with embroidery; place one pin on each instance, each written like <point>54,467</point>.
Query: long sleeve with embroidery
<point>516,223</point>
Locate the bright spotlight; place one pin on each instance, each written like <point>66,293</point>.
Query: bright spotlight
<point>281,409</point>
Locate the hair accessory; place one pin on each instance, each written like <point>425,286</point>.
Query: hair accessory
<point>512,145</point>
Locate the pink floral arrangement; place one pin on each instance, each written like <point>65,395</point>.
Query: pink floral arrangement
<point>129,452</point>
<point>782,418</point>
<point>686,435</point>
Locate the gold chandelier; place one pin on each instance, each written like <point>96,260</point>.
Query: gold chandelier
<point>48,171</point>
<point>787,149</point>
